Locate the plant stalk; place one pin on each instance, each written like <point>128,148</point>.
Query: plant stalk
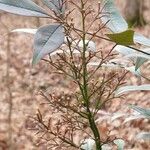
<point>85,85</point>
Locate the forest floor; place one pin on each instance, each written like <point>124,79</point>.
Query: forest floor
<point>20,84</point>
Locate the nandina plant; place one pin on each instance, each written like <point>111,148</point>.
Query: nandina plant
<point>73,51</point>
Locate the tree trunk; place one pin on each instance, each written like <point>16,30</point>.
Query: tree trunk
<point>134,12</point>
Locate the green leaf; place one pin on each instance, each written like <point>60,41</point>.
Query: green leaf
<point>123,38</point>
<point>112,17</point>
<point>58,6</point>
<point>124,89</point>
<point>47,39</point>
<point>22,7</point>
<point>143,111</point>
<point>120,144</point>
<point>139,62</point>
<point>138,38</point>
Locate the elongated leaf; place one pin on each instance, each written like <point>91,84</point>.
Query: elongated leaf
<point>123,50</point>
<point>131,53</point>
<point>111,16</point>
<point>22,7</point>
<point>138,55</point>
<point>47,39</point>
<point>58,6</point>
<point>133,70</point>
<point>131,118</point>
<point>25,30</point>
<point>143,111</point>
<point>142,59</point>
<point>139,62</point>
<point>115,65</point>
<point>122,38</point>
<point>124,89</point>
<point>139,59</point>
<point>138,38</point>
<point>117,115</point>
<point>144,136</point>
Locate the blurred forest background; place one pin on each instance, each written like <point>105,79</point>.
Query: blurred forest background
<point>20,83</point>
